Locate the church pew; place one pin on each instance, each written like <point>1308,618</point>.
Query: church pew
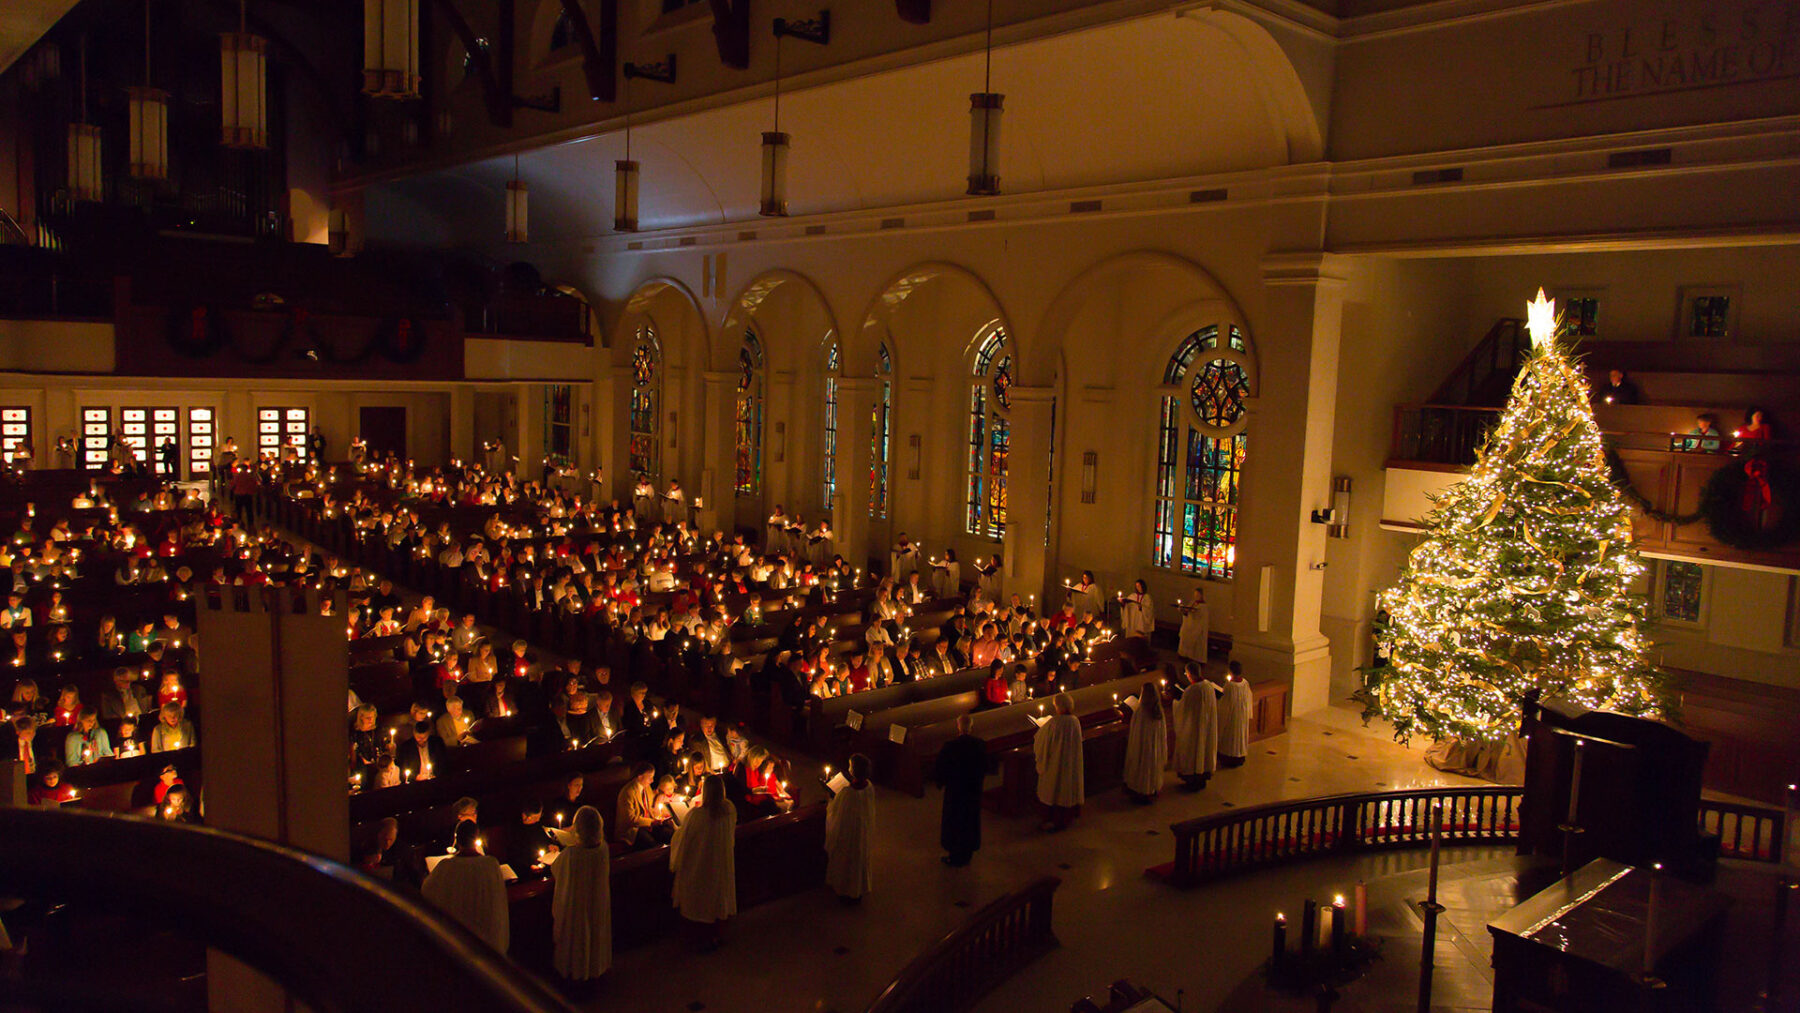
<point>824,718</point>
<point>1103,738</point>
<point>909,761</point>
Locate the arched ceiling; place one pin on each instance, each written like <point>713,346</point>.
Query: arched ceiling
<point>1141,100</point>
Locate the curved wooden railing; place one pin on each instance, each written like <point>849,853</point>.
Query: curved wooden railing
<point>1241,840</point>
<point>1001,938</point>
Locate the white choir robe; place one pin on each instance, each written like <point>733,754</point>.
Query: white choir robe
<point>947,580</point>
<point>581,909</point>
<point>903,564</point>
<point>1146,752</point>
<point>820,550</point>
<point>1088,601</point>
<point>703,861</point>
<point>1234,718</point>
<point>775,536</point>
<point>1197,730</point>
<point>643,501</point>
<point>1137,616</point>
<point>1193,633</point>
<point>471,889</point>
<point>990,584</point>
<point>849,842</point>
<point>674,507</point>
<point>1059,767</point>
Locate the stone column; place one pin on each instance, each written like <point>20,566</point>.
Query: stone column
<point>1027,491</point>
<point>526,440</point>
<point>462,424</point>
<point>850,502</point>
<point>1279,579</point>
<point>718,443</point>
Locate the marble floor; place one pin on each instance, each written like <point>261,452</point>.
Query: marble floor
<point>810,953</point>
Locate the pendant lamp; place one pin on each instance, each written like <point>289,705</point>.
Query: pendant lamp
<point>517,199</point>
<point>149,121</point>
<point>775,155</point>
<point>984,125</point>
<point>85,182</point>
<point>243,87</point>
<point>391,48</point>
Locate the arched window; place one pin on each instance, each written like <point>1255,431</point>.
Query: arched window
<point>881,425</point>
<point>646,390</point>
<point>990,400</point>
<point>749,415</point>
<point>562,33</point>
<point>832,365</point>
<point>1200,453</point>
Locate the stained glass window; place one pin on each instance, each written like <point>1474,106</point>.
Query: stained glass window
<point>1200,450</point>
<point>559,408</point>
<point>989,436</point>
<point>749,415</point>
<point>1683,585</point>
<point>645,449</point>
<point>201,432</point>
<point>880,426</point>
<point>277,428</point>
<point>831,426</point>
<point>15,431</point>
<point>96,435</point>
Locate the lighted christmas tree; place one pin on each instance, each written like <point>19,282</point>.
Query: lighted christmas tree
<point>1524,579</point>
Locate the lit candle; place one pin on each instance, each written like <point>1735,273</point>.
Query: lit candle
<point>1280,947</point>
<point>1437,833</point>
<point>1337,926</point>
<point>1656,877</point>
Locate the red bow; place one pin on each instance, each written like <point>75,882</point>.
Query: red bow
<point>1758,496</point>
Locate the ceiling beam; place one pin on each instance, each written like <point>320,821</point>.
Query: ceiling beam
<point>497,99</point>
<point>599,59</point>
<point>731,30</point>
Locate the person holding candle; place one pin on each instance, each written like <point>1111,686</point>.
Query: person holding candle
<point>87,742</point>
<point>849,833</point>
<point>1146,746</point>
<point>68,705</point>
<point>1057,746</point>
<point>639,824</point>
<point>529,843</point>
<point>172,731</point>
<point>581,901</point>
<point>1196,730</point>
<point>1195,631</point>
<point>169,689</point>
<point>703,864</point>
<point>469,887</point>
<point>420,757</point>
<point>1235,705</point>
<point>1137,612</point>
<point>561,812</point>
<point>26,748</point>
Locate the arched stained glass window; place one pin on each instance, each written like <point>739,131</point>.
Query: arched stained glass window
<point>990,399</point>
<point>645,450</point>
<point>1200,453</point>
<point>880,428</point>
<point>832,365</point>
<point>750,415</point>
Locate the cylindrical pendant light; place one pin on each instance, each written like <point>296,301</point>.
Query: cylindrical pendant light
<point>625,179</point>
<point>85,182</point>
<point>517,200</point>
<point>775,155</point>
<point>149,121</point>
<point>337,233</point>
<point>984,125</point>
<point>391,48</point>
<point>243,87</point>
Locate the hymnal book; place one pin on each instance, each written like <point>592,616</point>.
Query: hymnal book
<point>1038,719</point>
<point>897,734</point>
<point>853,720</point>
<point>837,783</point>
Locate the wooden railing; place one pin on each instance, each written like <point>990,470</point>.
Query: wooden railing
<point>1486,373</point>
<point>1001,938</point>
<point>1227,843</point>
<point>1439,433</point>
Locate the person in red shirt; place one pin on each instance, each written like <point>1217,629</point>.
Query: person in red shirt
<point>166,780</point>
<point>996,691</point>
<point>171,691</point>
<point>48,789</point>
<point>858,674</point>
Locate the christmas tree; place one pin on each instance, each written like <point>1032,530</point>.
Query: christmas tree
<point>1524,579</point>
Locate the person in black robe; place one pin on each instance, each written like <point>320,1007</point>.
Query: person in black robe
<point>961,767</point>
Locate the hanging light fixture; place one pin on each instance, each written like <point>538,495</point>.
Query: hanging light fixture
<point>149,121</point>
<point>984,124</point>
<point>85,182</point>
<point>391,48</point>
<point>775,154</point>
<point>625,178</point>
<point>243,86</point>
<point>337,233</point>
<point>517,198</point>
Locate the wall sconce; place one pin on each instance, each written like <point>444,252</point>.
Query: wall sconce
<point>780,442</point>
<point>912,455</point>
<point>1090,469</point>
<point>1336,517</point>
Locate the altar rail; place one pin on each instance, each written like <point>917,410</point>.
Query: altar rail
<point>1223,844</point>
<point>999,940</point>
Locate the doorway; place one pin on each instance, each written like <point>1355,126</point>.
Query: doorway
<point>383,430</point>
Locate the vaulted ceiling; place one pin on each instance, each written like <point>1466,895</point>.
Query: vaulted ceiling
<point>23,22</point>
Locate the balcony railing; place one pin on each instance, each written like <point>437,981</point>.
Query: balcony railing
<point>1001,938</point>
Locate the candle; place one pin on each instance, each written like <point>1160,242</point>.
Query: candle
<point>1575,782</point>
<point>1650,920</point>
<point>1309,928</point>
<point>1360,921</point>
<point>1337,926</point>
<point>1280,947</point>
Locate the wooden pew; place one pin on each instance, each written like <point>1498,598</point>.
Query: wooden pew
<point>826,718</point>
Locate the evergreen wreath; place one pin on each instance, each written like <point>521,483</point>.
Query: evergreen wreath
<point>194,331</point>
<point>1733,502</point>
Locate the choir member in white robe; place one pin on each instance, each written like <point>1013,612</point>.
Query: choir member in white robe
<point>703,861</point>
<point>1234,718</point>
<point>904,561</point>
<point>581,906</point>
<point>674,503</point>
<point>820,546</point>
<point>643,500</point>
<point>1057,745</point>
<point>987,578</point>
<point>849,835</point>
<point>1196,730</point>
<point>1146,746</point>
<point>1137,613</point>
<point>469,887</point>
<point>1085,595</point>
<point>946,576</point>
<point>775,532</point>
<point>1194,631</point>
